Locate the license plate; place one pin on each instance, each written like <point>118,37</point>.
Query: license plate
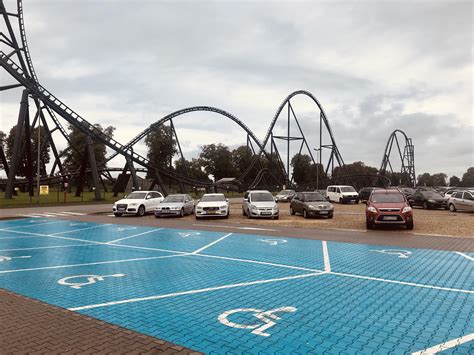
<point>266,213</point>
<point>121,209</point>
<point>323,212</point>
<point>165,211</point>
<point>211,212</point>
<point>390,218</point>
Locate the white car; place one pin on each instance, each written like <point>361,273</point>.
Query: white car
<point>138,202</point>
<point>212,205</point>
<point>342,193</point>
<point>260,203</point>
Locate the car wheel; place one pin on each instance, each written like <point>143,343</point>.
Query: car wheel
<point>181,213</point>
<point>141,211</point>
<point>330,216</point>
<point>369,224</point>
<point>409,225</point>
<point>292,211</point>
<point>227,215</point>
<point>425,205</point>
<point>340,199</point>
<point>276,217</point>
<point>118,214</point>
<point>305,214</point>
<point>452,208</point>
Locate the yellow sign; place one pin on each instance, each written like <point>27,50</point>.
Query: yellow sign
<point>44,189</point>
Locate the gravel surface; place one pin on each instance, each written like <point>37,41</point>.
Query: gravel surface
<point>352,216</point>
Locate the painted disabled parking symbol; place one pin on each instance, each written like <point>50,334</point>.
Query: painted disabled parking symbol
<point>267,319</point>
<point>188,234</point>
<point>402,254</point>
<point>273,241</point>
<point>87,280</point>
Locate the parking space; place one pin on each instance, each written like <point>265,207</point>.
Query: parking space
<point>217,291</point>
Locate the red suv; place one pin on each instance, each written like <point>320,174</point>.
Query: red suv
<point>388,207</point>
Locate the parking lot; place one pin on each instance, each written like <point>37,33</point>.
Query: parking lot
<point>222,291</point>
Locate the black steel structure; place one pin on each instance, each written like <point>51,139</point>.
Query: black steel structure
<point>406,155</point>
<point>50,113</point>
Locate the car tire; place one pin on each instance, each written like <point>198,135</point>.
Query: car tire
<point>292,211</point>
<point>118,214</point>
<point>305,213</point>
<point>425,205</point>
<point>276,217</point>
<point>141,211</point>
<point>181,213</point>
<point>409,225</point>
<point>340,200</point>
<point>369,225</point>
<point>452,208</point>
<point>330,216</point>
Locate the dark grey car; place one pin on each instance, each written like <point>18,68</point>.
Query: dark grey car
<point>311,204</point>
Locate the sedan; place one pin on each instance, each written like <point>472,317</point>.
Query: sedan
<point>311,204</point>
<point>175,205</point>
<point>212,205</point>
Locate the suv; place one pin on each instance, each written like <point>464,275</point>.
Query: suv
<point>342,193</point>
<point>388,207</point>
<point>137,202</point>
<point>259,203</point>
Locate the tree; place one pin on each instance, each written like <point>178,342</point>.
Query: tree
<point>217,161</point>
<point>74,153</point>
<point>242,158</point>
<point>454,181</point>
<point>162,147</point>
<point>355,168</point>
<point>3,137</point>
<point>301,164</point>
<point>439,179</point>
<point>468,178</point>
<point>192,168</point>
<point>425,180</point>
<point>44,156</point>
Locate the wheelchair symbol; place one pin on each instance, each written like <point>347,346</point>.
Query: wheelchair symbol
<point>273,241</point>
<point>267,319</point>
<point>402,254</point>
<point>91,279</point>
<point>188,234</point>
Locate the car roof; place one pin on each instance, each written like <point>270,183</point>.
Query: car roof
<point>215,194</point>
<point>383,191</point>
<point>176,195</point>
<point>253,191</point>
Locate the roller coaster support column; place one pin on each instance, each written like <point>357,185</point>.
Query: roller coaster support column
<point>17,145</point>
<point>3,160</point>
<point>159,181</point>
<point>89,156</point>
<point>133,172</point>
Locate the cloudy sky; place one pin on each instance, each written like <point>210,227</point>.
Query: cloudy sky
<point>375,66</point>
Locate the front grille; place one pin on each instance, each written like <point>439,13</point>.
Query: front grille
<point>122,206</point>
<point>211,208</point>
<point>389,209</point>
<point>166,208</point>
<point>265,209</point>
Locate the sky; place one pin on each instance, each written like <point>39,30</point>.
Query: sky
<point>375,66</point>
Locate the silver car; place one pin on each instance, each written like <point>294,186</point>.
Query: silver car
<point>461,200</point>
<point>175,205</point>
<point>260,203</point>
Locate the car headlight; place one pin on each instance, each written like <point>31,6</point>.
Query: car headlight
<point>174,208</point>
<point>372,209</point>
<point>199,207</point>
<point>133,204</point>
<point>253,207</point>
<point>406,209</point>
<point>223,207</point>
<point>432,201</point>
<point>331,206</point>
<point>158,209</point>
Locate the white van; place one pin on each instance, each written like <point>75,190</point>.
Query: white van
<point>342,193</point>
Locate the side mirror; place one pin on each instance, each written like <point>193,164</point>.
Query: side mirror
<point>226,200</point>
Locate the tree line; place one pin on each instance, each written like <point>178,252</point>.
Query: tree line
<point>214,160</point>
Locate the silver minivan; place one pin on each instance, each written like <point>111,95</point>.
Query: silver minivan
<point>461,200</point>
<point>260,203</point>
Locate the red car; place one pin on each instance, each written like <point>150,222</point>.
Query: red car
<point>388,207</point>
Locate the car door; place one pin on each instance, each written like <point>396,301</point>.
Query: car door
<point>189,203</point>
<point>418,198</point>
<point>300,203</point>
<point>148,202</point>
<point>294,202</point>
<point>456,199</point>
<point>468,201</point>
<point>246,203</point>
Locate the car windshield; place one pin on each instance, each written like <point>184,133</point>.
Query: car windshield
<point>262,197</point>
<point>212,198</point>
<point>136,196</point>
<point>313,197</point>
<point>285,192</point>
<point>347,189</point>
<point>174,198</point>
<point>432,194</point>
<point>387,198</point>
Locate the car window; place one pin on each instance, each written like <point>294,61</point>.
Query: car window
<point>136,196</point>
<point>387,198</point>
<point>262,197</point>
<point>313,197</point>
<point>348,189</point>
<point>457,194</point>
<point>468,196</point>
<point>338,190</point>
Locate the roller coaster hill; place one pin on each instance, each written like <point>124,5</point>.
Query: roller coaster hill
<point>267,167</point>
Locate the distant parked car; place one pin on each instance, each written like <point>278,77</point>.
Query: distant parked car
<point>285,195</point>
<point>462,200</point>
<point>448,194</point>
<point>364,193</point>
<point>212,205</point>
<point>342,194</point>
<point>311,204</point>
<point>175,205</point>
<point>260,203</point>
<point>428,199</point>
<point>407,191</point>
<point>388,207</point>
<point>137,202</point>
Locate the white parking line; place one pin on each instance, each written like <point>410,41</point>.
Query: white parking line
<point>192,292</point>
<point>211,244</point>
<point>465,255</point>
<point>33,225</point>
<point>51,247</point>
<point>95,263</point>
<point>327,263</point>
<point>75,213</point>
<point>133,236</point>
<point>448,345</point>
<point>403,283</point>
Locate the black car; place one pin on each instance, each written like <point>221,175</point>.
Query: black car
<point>364,193</point>
<point>311,204</point>
<point>428,199</point>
